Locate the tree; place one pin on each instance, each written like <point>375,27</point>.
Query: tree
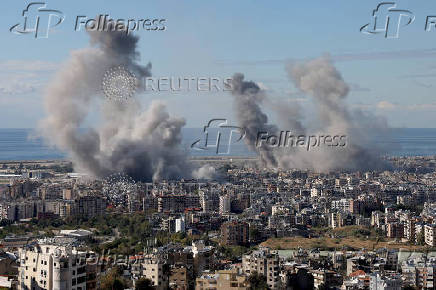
<point>254,234</point>
<point>112,280</point>
<point>258,282</point>
<point>143,284</point>
<point>420,238</point>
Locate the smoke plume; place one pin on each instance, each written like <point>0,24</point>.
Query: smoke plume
<point>142,144</point>
<point>319,80</point>
<point>247,101</point>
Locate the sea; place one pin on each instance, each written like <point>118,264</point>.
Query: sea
<point>25,144</point>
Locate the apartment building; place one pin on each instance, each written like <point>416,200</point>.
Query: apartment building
<point>263,262</point>
<point>52,266</point>
<point>430,234</point>
<point>234,233</point>
<point>222,280</point>
<point>154,270</point>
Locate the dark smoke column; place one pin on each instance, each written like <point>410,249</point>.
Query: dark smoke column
<point>247,100</point>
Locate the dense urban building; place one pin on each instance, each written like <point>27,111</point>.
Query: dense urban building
<point>282,229</point>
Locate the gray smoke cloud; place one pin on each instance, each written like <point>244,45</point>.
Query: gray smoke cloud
<point>319,80</point>
<point>142,144</point>
<point>247,101</point>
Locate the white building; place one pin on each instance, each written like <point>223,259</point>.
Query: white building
<point>385,283</point>
<point>180,225</point>
<point>52,266</point>
<point>429,234</point>
<point>153,270</point>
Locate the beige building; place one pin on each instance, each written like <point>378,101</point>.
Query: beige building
<point>52,266</point>
<point>265,263</point>
<point>153,269</point>
<point>222,280</point>
<point>179,278</point>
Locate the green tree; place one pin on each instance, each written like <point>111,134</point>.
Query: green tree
<point>143,284</point>
<point>112,280</point>
<point>258,282</point>
<point>420,239</point>
<point>254,233</point>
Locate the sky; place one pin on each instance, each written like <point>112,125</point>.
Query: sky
<point>391,77</point>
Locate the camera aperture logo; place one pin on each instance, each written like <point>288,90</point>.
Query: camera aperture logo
<point>119,84</point>
<point>37,19</point>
